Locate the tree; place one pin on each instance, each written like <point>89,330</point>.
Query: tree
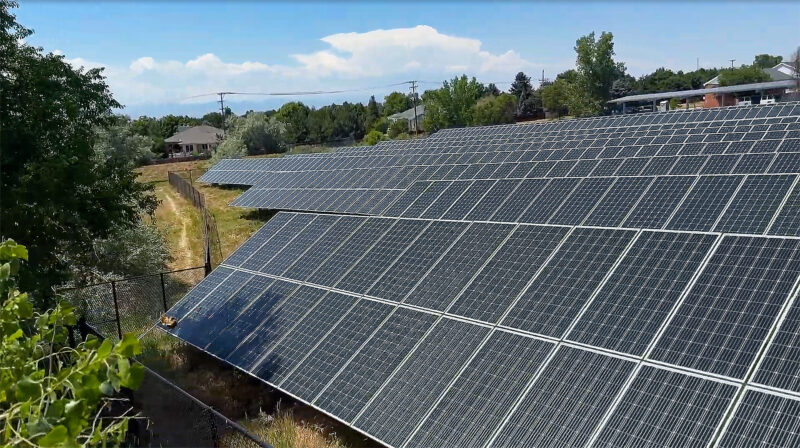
<point>597,72</point>
<point>398,127</point>
<point>523,92</point>
<point>233,147</point>
<point>745,74</point>
<point>396,102</point>
<point>556,96</point>
<point>451,105</point>
<point>260,133</point>
<point>57,196</point>
<point>295,115</point>
<point>492,90</point>
<point>494,110</point>
<point>767,60</point>
<point>373,137</point>
<point>120,144</point>
<point>373,112</point>
<point>381,124</point>
<point>622,86</point>
<point>216,119</point>
<point>51,394</point>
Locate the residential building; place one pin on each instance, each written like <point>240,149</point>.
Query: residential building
<point>203,139</point>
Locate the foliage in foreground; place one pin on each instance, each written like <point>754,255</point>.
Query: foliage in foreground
<point>51,394</point>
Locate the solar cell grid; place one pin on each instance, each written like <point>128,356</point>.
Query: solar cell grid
<point>405,398</point>
<point>503,278</point>
<point>727,314</point>
<point>664,408</point>
<point>567,281</point>
<point>644,287</point>
<point>764,420</point>
<point>363,375</point>
<point>320,365</point>
<point>567,402</point>
<point>484,392</point>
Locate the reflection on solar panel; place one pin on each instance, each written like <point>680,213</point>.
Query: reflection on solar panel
<point>617,281</point>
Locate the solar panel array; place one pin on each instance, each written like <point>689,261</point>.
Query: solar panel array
<point>626,281</point>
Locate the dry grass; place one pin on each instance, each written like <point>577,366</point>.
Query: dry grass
<point>267,413</point>
<point>182,224</point>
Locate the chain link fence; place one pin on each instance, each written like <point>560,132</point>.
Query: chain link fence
<point>213,248</point>
<point>178,419</point>
<point>131,305</point>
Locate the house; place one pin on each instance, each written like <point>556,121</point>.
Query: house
<point>202,139</point>
<point>781,72</point>
<point>409,115</point>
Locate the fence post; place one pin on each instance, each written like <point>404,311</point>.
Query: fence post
<point>163,292</point>
<point>116,308</point>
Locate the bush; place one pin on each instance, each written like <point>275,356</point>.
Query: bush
<point>231,148</point>
<point>52,394</point>
<point>398,127</point>
<point>494,110</point>
<point>743,75</point>
<point>373,137</point>
<point>381,125</point>
<point>402,136</point>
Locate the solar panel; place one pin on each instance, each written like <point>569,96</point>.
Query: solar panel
<point>764,420</point>
<point>483,392</point>
<point>637,298</point>
<point>666,408</point>
<point>567,401</point>
<point>597,281</point>
<point>720,326</point>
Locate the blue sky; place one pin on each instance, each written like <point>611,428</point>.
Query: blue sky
<point>156,53</point>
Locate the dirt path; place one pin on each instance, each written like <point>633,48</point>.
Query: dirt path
<point>183,242</point>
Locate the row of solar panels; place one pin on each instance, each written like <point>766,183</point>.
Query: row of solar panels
<point>755,141</point>
<point>628,121</point>
<point>400,177</point>
<point>486,154</point>
<point>435,333</point>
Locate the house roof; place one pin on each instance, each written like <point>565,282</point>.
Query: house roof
<point>785,84</point>
<point>408,114</point>
<point>196,135</point>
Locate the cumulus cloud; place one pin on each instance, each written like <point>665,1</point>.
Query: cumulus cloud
<point>351,59</point>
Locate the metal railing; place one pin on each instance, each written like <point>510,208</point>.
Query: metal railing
<point>130,305</point>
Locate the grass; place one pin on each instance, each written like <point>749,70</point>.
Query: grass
<point>182,224</point>
<point>267,413</point>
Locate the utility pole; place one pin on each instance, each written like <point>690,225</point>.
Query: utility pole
<point>414,96</point>
<point>732,61</point>
<point>222,109</point>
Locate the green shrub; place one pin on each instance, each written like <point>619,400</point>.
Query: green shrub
<point>53,395</point>
<point>373,137</point>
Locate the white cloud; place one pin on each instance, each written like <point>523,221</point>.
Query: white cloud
<point>351,59</point>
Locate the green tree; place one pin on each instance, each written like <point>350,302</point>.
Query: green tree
<point>622,86</point>
<point>745,74</point>
<point>373,137</point>
<point>597,72</point>
<point>119,143</point>
<point>398,127</point>
<point>451,105</point>
<point>233,147</point>
<point>259,133</point>
<point>523,92</point>
<point>767,60</point>
<point>557,95</point>
<point>295,116</point>
<point>57,196</point>
<point>381,124</point>
<point>373,112</point>
<point>51,394</point>
<point>491,89</point>
<point>396,102</point>
<point>494,110</point>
